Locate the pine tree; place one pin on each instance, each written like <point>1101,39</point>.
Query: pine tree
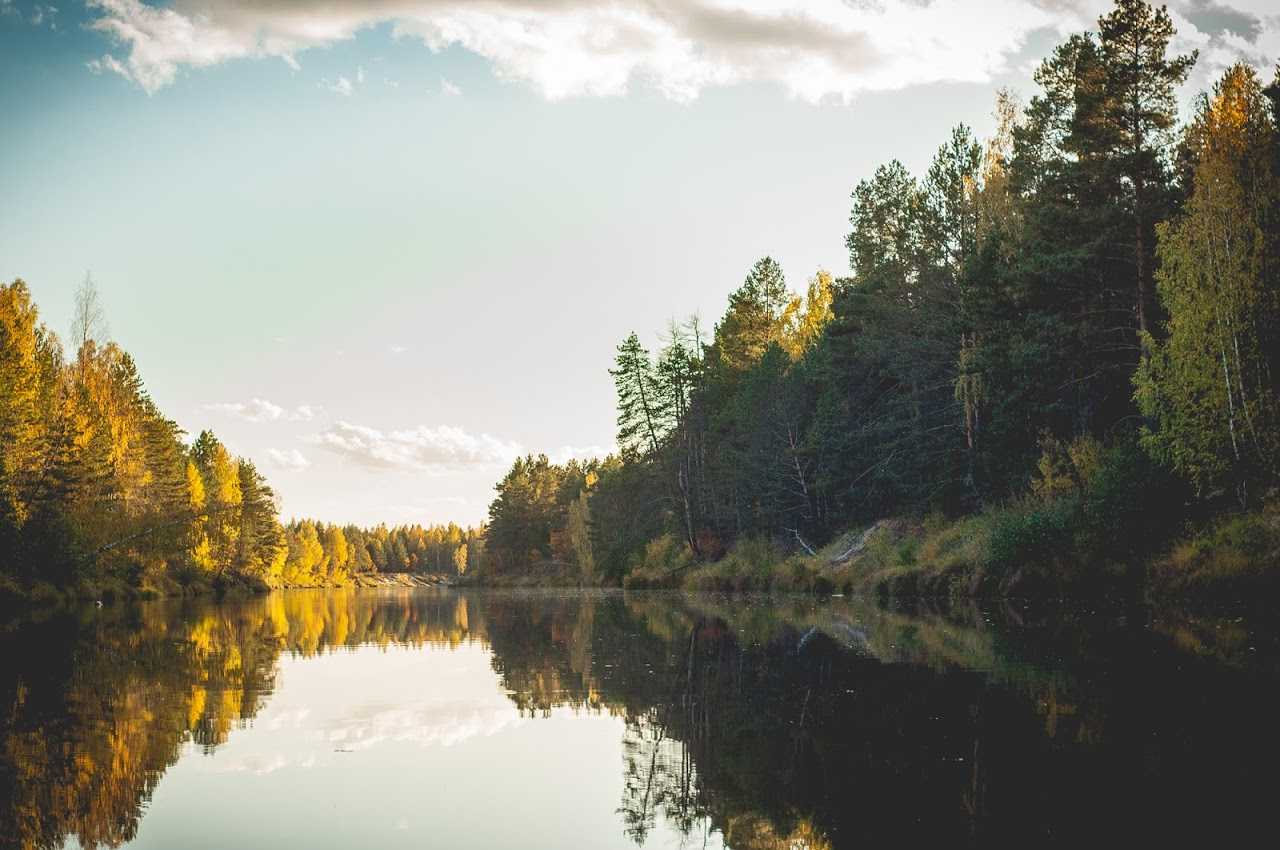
<point>754,319</point>
<point>640,422</point>
<point>1139,118</point>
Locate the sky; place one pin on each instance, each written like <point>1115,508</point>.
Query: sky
<point>382,247</point>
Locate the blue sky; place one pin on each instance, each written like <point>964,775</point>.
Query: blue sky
<point>380,247</point>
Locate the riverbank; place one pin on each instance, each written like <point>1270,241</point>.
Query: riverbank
<point>113,589</point>
<point>401,580</point>
<point>542,574</point>
<point>1017,551</point>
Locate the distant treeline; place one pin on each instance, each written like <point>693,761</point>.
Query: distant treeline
<point>100,493</point>
<point>1080,314</point>
<point>322,554</point>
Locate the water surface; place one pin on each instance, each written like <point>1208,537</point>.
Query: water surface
<point>436,718</point>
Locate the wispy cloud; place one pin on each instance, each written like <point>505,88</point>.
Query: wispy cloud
<point>107,63</point>
<point>261,410</point>
<point>443,448</point>
<point>41,14</point>
<point>814,49</point>
<point>398,349</point>
<point>341,86</point>
<point>38,14</point>
<point>448,89</point>
<point>422,449</point>
<point>288,459</point>
<point>442,722</point>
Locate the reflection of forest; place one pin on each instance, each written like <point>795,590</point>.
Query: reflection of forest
<point>95,704</point>
<point>781,724</point>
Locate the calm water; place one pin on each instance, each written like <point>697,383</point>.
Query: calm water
<point>421,718</point>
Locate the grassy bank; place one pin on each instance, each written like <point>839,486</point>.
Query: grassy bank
<point>113,588</point>
<point>1235,556</point>
<point>1028,549</point>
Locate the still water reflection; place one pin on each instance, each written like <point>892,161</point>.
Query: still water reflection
<point>431,718</point>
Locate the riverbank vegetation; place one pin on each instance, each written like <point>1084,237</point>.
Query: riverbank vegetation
<point>1055,356</point>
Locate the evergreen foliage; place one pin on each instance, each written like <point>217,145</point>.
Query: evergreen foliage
<point>1094,275</point>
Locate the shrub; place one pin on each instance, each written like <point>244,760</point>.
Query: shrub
<point>1065,468</point>
<point>659,565</point>
<point>663,554</point>
<point>1120,508</point>
<point>1233,557</point>
<point>1031,532</point>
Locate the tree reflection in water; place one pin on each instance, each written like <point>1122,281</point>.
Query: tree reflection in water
<point>778,724</point>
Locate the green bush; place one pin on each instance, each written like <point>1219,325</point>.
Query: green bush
<point>1116,515</point>
<point>1130,505</point>
<point>1032,532</point>
<point>660,564</point>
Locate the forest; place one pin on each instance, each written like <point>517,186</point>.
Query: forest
<point>101,494</point>
<point>1055,358</point>
<point>1053,367</point>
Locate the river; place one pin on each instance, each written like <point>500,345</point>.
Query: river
<point>413,717</point>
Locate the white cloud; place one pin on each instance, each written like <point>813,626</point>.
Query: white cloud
<point>448,89</point>
<point>160,40</point>
<point>253,410</point>
<point>426,449</point>
<point>341,86</point>
<point>398,349</point>
<point>814,49</point>
<point>40,14</point>
<point>107,63</point>
<point>288,459</point>
<point>423,449</point>
<point>261,410</point>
